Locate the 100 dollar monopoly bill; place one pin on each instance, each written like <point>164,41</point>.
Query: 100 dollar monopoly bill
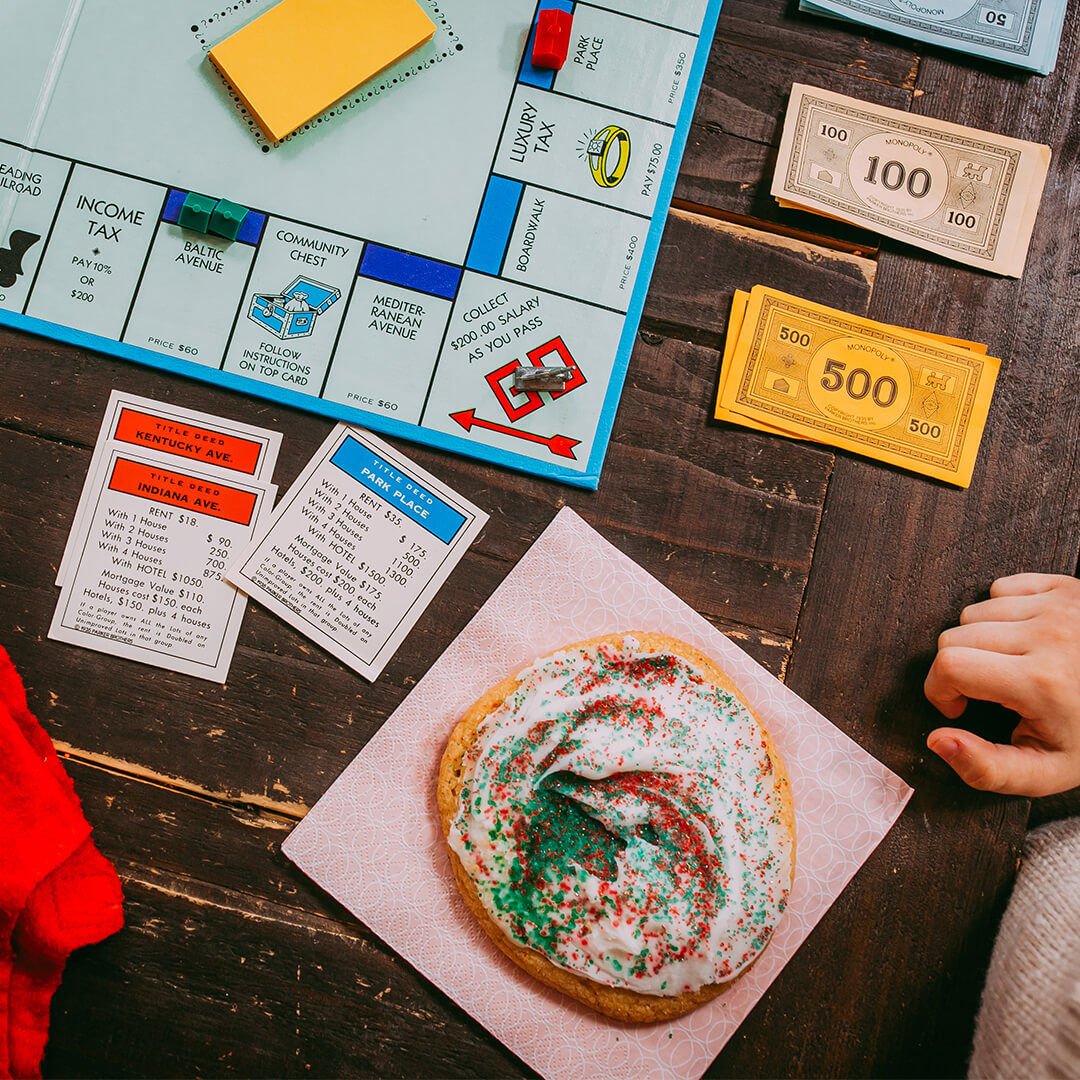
<point>962,193</point>
<point>900,396</point>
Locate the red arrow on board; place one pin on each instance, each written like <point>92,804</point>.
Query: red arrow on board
<point>561,445</point>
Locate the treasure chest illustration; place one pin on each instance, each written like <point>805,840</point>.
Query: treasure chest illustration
<point>292,313</point>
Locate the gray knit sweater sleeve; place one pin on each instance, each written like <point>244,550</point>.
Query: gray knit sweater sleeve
<point>1029,1021</point>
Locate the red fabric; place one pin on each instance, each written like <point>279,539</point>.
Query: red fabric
<point>57,891</point>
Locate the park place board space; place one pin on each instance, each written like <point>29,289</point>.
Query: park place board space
<point>459,215</point>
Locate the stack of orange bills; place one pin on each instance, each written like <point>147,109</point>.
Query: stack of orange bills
<point>906,397</point>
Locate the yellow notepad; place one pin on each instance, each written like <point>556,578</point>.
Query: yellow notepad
<point>302,55</point>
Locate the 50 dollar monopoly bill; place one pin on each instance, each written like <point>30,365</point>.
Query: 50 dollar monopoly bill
<point>966,194</point>
<point>905,397</point>
<point>1025,33</point>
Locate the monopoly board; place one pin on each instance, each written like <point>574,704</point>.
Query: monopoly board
<point>459,215</point>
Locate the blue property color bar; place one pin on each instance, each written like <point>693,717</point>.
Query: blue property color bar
<point>411,271</point>
<point>534,76</point>
<point>172,206</point>
<point>399,490</point>
<point>251,228</point>
<point>497,213</point>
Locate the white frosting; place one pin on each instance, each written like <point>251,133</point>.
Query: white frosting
<point>620,814</point>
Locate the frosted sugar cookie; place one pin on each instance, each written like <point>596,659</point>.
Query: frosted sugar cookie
<point>621,824</point>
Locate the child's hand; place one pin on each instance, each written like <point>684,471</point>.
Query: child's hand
<point>1020,648</point>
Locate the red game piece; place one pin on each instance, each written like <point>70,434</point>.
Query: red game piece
<point>552,41</point>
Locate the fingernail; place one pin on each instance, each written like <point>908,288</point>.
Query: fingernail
<point>946,749</point>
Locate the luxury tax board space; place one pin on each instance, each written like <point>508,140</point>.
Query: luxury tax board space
<point>561,222</point>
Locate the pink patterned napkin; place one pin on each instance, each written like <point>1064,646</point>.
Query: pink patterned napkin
<point>374,840</point>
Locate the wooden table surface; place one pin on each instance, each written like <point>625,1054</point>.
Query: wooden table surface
<point>835,572</point>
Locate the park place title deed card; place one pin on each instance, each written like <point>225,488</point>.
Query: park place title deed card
<point>357,548</point>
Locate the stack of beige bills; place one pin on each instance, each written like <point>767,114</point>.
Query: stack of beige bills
<point>966,194</point>
<point>905,397</point>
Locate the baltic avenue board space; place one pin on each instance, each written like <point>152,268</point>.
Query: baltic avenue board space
<point>459,215</point>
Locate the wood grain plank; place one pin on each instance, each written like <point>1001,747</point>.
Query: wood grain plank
<point>203,981</point>
<point>237,962</point>
<point>667,405</point>
<point>781,30</point>
<point>702,261</point>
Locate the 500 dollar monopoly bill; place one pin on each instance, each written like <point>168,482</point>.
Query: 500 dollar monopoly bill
<point>900,396</point>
